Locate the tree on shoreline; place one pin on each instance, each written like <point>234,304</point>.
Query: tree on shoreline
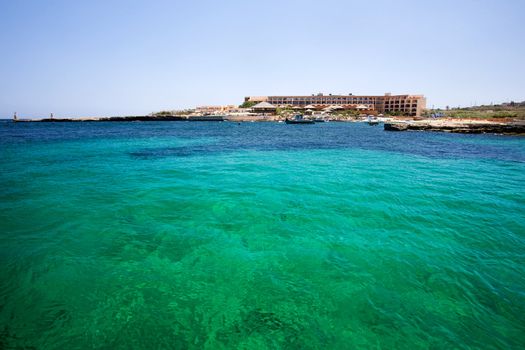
<point>247,104</point>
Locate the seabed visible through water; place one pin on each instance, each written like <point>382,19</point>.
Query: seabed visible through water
<point>259,236</point>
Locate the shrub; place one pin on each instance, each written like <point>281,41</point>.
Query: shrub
<point>248,104</point>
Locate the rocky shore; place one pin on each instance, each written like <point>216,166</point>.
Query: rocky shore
<point>459,126</point>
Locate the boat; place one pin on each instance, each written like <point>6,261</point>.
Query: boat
<point>298,119</point>
<point>372,121</point>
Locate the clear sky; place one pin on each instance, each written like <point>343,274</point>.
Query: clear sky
<point>121,57</point>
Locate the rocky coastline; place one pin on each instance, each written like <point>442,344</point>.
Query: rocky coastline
<point>459,126</point>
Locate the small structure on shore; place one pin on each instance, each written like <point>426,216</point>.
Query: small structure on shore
<point>264,107</point>
<point>15,118</point>
<point>333,108</point>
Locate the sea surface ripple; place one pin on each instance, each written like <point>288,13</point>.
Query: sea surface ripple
<point>181,235</point>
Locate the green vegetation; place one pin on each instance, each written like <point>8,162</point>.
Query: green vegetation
<point>248,104</point>
<point>485,113</point>
<point>284,111</point>
<point>509,110</point>
<point>171,113</point>
<point>184,112</point>
<point>396,113</point>
<point>346,114</point>
<point>163,114</point>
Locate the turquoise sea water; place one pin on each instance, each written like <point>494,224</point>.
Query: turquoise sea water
<point>259,236</point>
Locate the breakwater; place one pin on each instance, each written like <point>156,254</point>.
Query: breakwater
<point>103,119</point>
<point>125,119</point>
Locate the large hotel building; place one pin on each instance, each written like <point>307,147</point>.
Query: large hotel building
<point>412,105</point>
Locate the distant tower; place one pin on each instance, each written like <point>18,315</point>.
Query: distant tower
<point>15,118</point>
<point>51,116</point>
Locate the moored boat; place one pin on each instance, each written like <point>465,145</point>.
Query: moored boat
<point>372,120</point>
<point>298,119</point>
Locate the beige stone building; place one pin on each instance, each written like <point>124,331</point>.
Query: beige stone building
<point>412,105</point>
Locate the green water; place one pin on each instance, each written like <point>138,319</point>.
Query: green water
<point>216,237</point>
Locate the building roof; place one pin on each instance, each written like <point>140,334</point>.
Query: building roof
<point>333,107</point>
<point>264,105</point>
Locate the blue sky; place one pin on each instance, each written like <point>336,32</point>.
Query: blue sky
<point>113,57</point>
